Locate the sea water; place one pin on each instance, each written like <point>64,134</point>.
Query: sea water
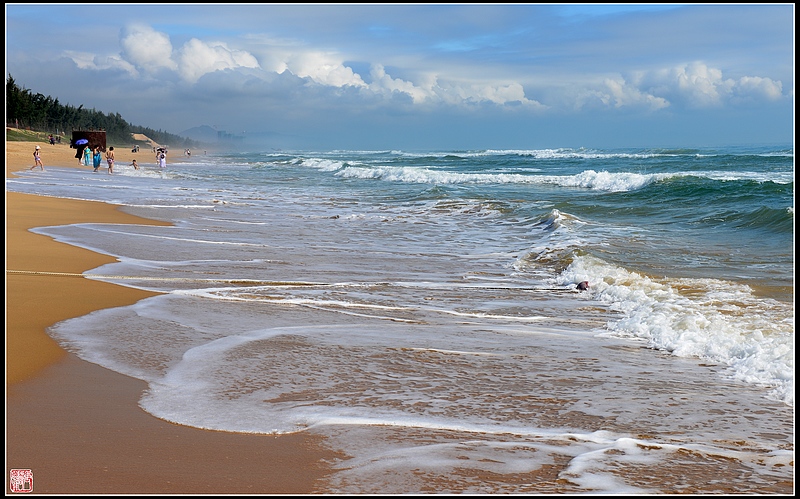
<point>420,310</point>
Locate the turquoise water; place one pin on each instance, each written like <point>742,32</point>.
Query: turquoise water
<point>420,310</point>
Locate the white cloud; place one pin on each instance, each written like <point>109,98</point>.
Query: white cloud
<point>474,93</point>
<point>85,60</point>
<point>700,86</point>
<point>151,50</point>
<point>621,94</point>
<point>116,62</point>
<point>502,94</point>
<point>430,89</point>
<point>611,92</point>
<point>146,48</point>
<point>323,68</point>
<point>383,83</point>
<point>198,58</point>
<point>757,86</point>
<point>693,85</point>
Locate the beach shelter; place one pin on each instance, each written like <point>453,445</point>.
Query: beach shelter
<point>81,139</point>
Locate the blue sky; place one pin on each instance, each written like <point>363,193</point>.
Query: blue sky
<point>416,77</point>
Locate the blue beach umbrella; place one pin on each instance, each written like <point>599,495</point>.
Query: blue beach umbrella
<point>80,142</point>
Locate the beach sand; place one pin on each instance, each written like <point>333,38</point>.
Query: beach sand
<point>77,426</point>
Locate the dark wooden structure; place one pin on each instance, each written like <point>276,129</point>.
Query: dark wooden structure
<point>96,138</point>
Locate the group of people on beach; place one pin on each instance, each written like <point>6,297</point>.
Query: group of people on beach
<point>109,159</point>
<point>93,157</point>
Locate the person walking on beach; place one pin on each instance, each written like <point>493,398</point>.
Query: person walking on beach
<point>97,157</point>
<point>87,156</point>
<point>162,159</point>
<point>37,159</point>
<point>110,159</point>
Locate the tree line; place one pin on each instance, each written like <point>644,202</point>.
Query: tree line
<point>38,112</point>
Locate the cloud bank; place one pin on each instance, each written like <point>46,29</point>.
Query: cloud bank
<point>145,52</point>
<point>410,72</point>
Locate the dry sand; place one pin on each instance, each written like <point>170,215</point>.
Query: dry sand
<point>77,426</point>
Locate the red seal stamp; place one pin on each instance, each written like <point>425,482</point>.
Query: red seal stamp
<point>21,481</point>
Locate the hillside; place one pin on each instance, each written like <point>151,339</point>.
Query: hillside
<point>140,137</point>
<point>21,135</point>
<point>26,110</point>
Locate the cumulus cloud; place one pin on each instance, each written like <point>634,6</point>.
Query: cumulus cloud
<point>503,94</point>
<point>694,85</point>
<point>198,58</point>
<point>622,94</point>
<point>383,83</point>
<point>699,86</point>
<point>149,51</point>
<point>459,93</point>
<point>431,89</point>
<point>754,86</point>
<point>323,68</point>
<point>146,48</point>
<point>85,60</point>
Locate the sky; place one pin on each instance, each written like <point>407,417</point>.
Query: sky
<point>421,76</point>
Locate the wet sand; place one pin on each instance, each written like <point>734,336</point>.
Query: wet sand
<point>77,426</point>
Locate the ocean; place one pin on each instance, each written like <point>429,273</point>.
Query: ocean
<point>421,310</point>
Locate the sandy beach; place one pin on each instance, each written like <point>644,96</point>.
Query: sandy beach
<point>76,425</point>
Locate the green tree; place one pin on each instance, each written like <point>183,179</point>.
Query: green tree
<point>46,114</point>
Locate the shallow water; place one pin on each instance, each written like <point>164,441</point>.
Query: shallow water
<point>420,310</point>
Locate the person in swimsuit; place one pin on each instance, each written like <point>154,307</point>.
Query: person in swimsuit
<point>37,159</point>
<point>96,158</point>
<point>110,159</point>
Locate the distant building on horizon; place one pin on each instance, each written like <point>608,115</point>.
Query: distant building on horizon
<point>224,136</point>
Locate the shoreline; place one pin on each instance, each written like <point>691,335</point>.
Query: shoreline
<point>77,426</point>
